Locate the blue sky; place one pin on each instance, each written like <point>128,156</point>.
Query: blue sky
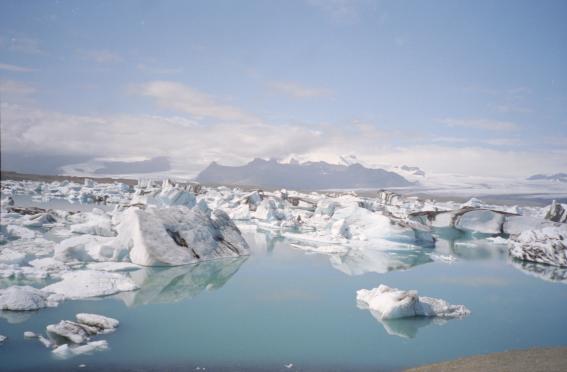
<point>475,87</point>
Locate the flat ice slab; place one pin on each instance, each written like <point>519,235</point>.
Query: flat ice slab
<point>392,303</point>
<point>89,283</point>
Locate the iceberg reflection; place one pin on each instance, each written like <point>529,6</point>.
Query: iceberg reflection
<point>541,271</point>
<point>360,261</point>
<point>169,285</point>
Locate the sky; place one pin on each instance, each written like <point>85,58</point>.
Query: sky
<point>471,87</point>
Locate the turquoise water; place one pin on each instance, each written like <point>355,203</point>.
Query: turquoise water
<point>281,305</point>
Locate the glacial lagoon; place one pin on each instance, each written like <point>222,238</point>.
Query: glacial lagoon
<point>284,309</point>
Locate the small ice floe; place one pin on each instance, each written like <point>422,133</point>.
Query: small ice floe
<point>67,351</point>
<point>392,303</point>
<point>2,339</point>
<point>547,245</point>
<point>101,322</point>
<point>443,258</point>
<point>71,331</point>
<point>288,366</point>
<point>29,334</point>
<point>90,283</point>
<point>74,334</point>
<point>26,298</point>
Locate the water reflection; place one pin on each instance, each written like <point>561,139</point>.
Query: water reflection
<point>360,261</point>
<point>471,249</point>
<point>168,285</point>
<point>542,271</point>
<point>407,328</point>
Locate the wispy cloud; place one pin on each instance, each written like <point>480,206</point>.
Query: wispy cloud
<point>183,98</point>
<point>296,90</point>
<point>484,124</point>
<point>101,56</point>
<point>14,68</point>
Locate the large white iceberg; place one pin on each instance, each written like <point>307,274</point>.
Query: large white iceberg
<point>178,235</point>
<point>392,303</point>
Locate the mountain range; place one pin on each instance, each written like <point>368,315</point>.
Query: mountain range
<point>305,176</point>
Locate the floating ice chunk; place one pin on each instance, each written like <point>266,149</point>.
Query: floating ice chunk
<point>25,298</point>
<point>71,331</point>
<point>74,248</point>
<point>392,303</point>
<point>473,202</point>
<point>66,351</point>
<point>48,264</point>
<point>547,245</point>
<point>99,321</point>
<point>326,207</point>
<point>178,236</point>
<point>29,334</point>
<point>89,283</point>
<point>45,341</point>
<point>2,339</point>
<point>113,266</point>
<point>97,223</point>
<point>242,212</point>
<point>481,221</point>
<point>269,211</point>
<point>556,212</point>
<point>340,228</point>
<point>11,257</point>
<point>19,232</point>
<point>40,219</point>
<point>514,225</point>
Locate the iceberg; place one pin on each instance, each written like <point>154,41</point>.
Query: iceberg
<point>100,322</point>
<point>66,351</point>
<point>26,298</point>
<point>178,236</point>
<point>392,303</point>
<point>70,331</point>
<point>547,245</point>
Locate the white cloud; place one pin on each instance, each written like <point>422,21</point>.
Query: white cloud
<point>14,68</point>
<point>100,56</point>
<point>182,98</point>
<point>485,124</point>
<point>296,90</point>
<point>191,145</point>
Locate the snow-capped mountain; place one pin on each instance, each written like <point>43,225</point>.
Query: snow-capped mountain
<point>307,175</point>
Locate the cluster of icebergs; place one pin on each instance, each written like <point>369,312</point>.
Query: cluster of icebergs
<point>68,339</point>
<point>57,255</point>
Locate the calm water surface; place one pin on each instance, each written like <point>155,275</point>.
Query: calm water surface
<point>282,305</point>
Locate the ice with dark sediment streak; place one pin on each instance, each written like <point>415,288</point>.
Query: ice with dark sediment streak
<point>547,245</point>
